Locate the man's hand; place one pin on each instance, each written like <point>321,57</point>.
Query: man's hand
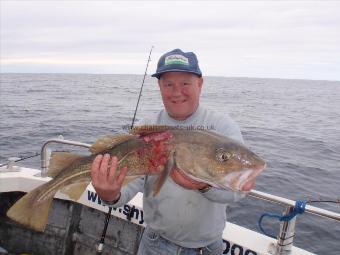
<point>104,179</point>
<point>185,181</point>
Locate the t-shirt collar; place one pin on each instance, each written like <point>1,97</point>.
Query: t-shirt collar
<point>187,120</point>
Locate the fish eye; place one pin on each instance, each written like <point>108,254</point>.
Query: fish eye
<point>222,155</point>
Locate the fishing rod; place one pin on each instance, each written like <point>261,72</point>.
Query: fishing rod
<point>108,214</point>
<point>141,89</point>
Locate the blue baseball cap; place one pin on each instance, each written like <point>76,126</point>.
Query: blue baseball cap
<point>177,61</point>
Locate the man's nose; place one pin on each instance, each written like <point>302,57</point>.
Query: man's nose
<point>176,90</point>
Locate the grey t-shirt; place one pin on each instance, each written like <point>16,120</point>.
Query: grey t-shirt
<point>188,218</point>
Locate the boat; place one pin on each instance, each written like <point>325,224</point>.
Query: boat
<point>75,228</point>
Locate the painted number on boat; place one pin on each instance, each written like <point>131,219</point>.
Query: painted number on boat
<point>235,249</point>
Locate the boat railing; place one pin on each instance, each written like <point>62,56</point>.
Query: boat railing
<point>285,238</point>
<point>286,234</point>
<point>45,155</point>
<point>287,202</point>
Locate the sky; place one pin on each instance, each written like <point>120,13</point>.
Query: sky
<point>269,39</point>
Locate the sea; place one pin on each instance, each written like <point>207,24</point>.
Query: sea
<point>293,124</point>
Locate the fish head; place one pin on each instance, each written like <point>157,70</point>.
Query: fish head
<point>235,165</point>
<point>220,162</point>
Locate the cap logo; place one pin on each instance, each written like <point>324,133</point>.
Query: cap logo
<point>176,59</point>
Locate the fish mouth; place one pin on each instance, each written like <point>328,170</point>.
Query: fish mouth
<point>234,181</point>
<point>237,181</point>
<point>250,175</point>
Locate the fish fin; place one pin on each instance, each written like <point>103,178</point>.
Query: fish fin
<point>108,142</point>
<point>149,129</point>
<point>74,191</point>
<point>174,155</point>
<point>61,160</point>
<point>31,213</point>
<point>164,174</point>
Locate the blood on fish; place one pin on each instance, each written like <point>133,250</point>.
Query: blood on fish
<point>159,149</point>
<point>154,137</point>
<point>140,152</point>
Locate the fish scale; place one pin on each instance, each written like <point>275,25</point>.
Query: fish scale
<point>149,150</point>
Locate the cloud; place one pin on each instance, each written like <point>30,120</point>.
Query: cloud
<point>261,39</point>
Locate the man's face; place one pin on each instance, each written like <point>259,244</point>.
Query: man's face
<point>180,93</point>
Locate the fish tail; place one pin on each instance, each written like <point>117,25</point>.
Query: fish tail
<point>31,212</point>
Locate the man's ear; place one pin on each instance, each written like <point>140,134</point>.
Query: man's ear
<point>200,82</point>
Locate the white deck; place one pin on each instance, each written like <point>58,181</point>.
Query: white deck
<point>237,238</point>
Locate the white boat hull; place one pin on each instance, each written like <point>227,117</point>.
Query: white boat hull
<point>238,240</point>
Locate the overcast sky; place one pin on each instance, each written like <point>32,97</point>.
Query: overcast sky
<point>281,39</point>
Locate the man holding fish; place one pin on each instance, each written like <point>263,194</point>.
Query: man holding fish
<point>187,175</point>
<point>185,213</point>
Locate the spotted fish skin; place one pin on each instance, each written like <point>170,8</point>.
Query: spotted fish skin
<point>148,150</point>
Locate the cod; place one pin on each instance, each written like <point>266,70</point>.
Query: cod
<point>204,156</point>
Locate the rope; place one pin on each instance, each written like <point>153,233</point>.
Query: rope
<point>299,208</point>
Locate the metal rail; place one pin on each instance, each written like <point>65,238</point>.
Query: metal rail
<point>44,154</point>
<point>287,202</point>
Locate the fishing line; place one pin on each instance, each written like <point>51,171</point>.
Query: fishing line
<point>108,214</point>
<point>22,158</point>
<point>337,201</point>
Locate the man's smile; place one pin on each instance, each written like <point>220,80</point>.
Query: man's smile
<point>178,101</point>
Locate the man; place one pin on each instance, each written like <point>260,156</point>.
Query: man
<point>187,216</point>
